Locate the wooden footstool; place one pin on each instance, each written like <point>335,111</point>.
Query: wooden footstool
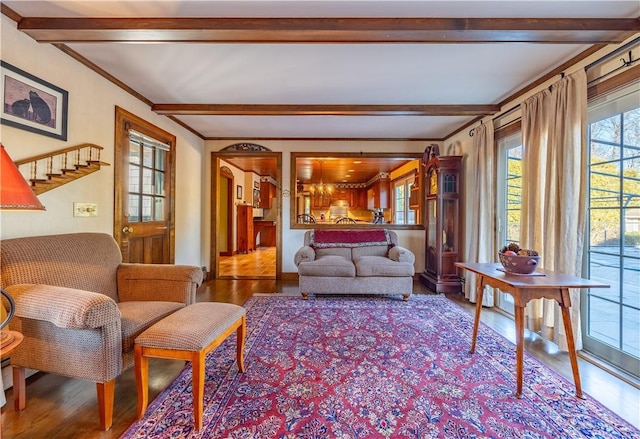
<point>188,334</point>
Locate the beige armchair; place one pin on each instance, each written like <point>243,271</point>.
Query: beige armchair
<point>80,308</point>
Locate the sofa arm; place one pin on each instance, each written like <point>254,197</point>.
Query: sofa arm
<point>64,307</point>
<point>401,254</point>
<point>161,282</point>
<point>304,254</point>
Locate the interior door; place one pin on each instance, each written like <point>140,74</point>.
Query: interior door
<point>144,190</point>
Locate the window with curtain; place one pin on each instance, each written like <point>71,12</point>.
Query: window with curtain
<point>402,212</point>
<point>611,317</point>
<point>509,199</point>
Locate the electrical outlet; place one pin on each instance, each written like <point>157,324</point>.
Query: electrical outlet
<point>85,209</point>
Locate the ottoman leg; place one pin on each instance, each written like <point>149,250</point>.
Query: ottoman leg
<point>141,366</point>
<point>197,365</point>
<point>242,331</point>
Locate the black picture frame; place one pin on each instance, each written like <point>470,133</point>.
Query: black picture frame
<point>32,104</point>
<point>239,192</point>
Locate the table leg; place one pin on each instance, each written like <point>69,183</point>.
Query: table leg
<point>519,319</point>
<point>479,294</point>
<point>573,357</point>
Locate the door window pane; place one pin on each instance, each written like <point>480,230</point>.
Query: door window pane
<point>159,211</point>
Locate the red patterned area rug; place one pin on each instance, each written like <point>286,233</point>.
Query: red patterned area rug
<point>373,367</point>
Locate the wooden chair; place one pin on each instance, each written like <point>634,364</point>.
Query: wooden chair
<point>305,218</point>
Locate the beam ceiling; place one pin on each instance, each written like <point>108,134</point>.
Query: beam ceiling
<point>324,110</point>
<point>330,30</point>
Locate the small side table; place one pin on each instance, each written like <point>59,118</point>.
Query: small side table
<point>9,340</point>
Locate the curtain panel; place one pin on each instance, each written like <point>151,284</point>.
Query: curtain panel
<point>554,192</point>
<point>481,239</point>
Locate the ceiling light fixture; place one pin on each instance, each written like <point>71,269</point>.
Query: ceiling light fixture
<point>321,188</point>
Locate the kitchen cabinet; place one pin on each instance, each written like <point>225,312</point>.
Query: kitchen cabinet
<point>442,187</point>
<point>246,239</point>
<point>267,194</point>
<point>378,194</point>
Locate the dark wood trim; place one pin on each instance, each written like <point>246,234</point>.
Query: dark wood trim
<point>324,110</point>
<point>617,81</point>
<point>507,130</point>
<point>10,13</point>
<point>186,127</point>
<point>332,139</point>
<point>331,29</point>
<point>109,77</point>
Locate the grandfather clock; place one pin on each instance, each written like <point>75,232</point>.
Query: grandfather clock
<point>442,221</point>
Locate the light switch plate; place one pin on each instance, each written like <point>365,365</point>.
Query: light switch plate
<point>85,209</point>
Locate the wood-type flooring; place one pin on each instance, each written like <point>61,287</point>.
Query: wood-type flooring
<point>59,407</point>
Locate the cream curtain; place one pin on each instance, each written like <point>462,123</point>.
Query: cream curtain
<point>481,241</point>
<point>554,192</point>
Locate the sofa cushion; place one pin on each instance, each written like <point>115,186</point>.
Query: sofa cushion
<point>378,250</point>
<point>382,266</point>
<point>138,316</point>
<point>328,265</point>
<point>338,251</point>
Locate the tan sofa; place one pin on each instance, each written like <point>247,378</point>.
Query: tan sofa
<point>365,261</point>
<point>80,308</point>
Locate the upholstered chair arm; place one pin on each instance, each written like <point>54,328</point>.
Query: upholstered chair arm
<point>64,307</point>
<point>162,282</point>
<point>401,254</point>
<point>304,254</point>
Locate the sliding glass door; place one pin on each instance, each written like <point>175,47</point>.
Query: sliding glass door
<point>611,317</point>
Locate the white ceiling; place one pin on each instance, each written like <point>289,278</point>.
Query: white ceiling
<point>326,73</point>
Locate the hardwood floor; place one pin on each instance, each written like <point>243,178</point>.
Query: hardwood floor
<point>59,407</point>
<point>258,264</point>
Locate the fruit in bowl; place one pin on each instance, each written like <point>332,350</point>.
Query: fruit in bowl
<point>517,260</point>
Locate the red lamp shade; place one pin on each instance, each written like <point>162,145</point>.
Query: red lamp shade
<point>15,192</point>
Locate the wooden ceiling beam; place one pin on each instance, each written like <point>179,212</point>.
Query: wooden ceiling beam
<point>323,110</point>
<point>330,30</point>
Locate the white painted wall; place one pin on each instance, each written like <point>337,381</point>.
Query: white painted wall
<point>92,102</point>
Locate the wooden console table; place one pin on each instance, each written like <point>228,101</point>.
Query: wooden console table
<point>523,288</point>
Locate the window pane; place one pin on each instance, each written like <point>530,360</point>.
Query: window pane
<point>631,182</point>
<point>134,178</point>
<point>159,212</point>
<point>605,185</point>
<point>606,130</point>
<point>147,181</point>
<point>604,325</point>
<point>146,208</point>
<point>605,230</point>
<point>632,127</point>
<point>605,268</point>
<point>134,212</point>
<point>160,155</point>
<point>148,156</point>
<point>159,184</point>
<point>631,279</point>
<point>134,152</point>
<point>630,331</point>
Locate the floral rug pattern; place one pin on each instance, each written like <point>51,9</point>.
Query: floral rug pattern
<point>344,367</point>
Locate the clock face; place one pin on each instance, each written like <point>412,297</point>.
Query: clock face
<point>433,181</point>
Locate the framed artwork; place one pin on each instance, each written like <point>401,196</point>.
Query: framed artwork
<point>239,192</point>
<point>256,185</point>
<point>31,104</point>
<point>256,198</point>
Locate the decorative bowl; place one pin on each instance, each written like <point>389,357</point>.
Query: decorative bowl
<point>518,264</point>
